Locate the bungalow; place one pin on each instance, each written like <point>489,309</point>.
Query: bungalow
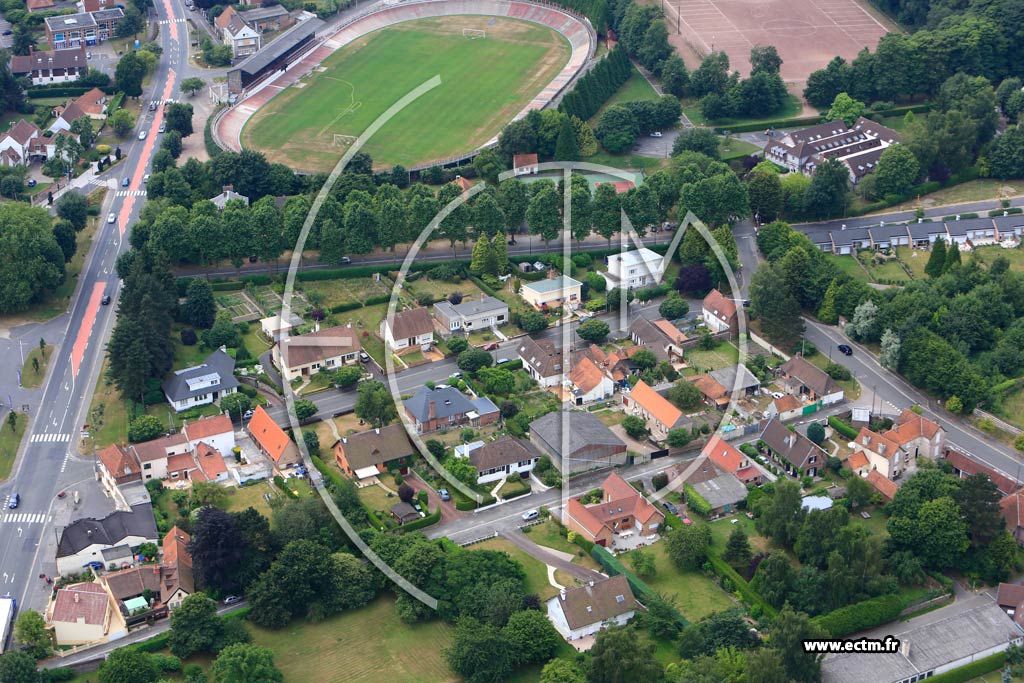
<point>734,461</point>
<point>622,510</point>
<point>364,455</point>
<point>271,440</point>
<point>663,338</point>
<point>654,409</point>
<point>542,360</point>
<point>719,313</point>
<point>308,354</point>
<point>201,384</point>
<point>555,292</point>
<point>404,513</point>
<point>80,613</point>
<point>498,460</point>
<point>43,67</point>
<point>443,406</point>
<point>577,441</point>
<point>588,383</point>
<point>524,164</point>
<point>408,329</point>
<point>583,611</point>
<point>797,453</point>
<point>634,269</point>
<point>82,541</point>
<point>800,378</point>
<point>471,314</point>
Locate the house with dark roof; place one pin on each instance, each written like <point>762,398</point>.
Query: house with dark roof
<point>622,512</point>
<point>268,18</point>
<point>201,384</point>
<point>577,441</point>
<point>795,452</point>
<point>737,377</point>
<point>470,315</point>
<point>1009,596</point>
<point>801,378</point>
<point>444,406</point>
<point>542,360</point>
<point>404,513</point>
<point>81,613</point>
<point>503,458</point>
<point>857,147</point>
<point>719,313</point>
<point>82,541</point>
<point>657,411</point>
<point>412,328</point>
<point>271,440</point>
<point>43,67</point>
<point>67,31</point>
<point>327,349</point>
<point>364,455</point>
<point>583,611</point>
<point>663,338</point>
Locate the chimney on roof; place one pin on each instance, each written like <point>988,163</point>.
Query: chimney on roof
<point>228,188</point>
<point>433,410</point>
<point>377,429</point>
<point>561,593</point>
<point>76,596</point>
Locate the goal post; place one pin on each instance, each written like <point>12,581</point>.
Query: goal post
<point>474,33</point>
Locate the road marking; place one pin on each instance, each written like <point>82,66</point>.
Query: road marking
<point>24,518</point>
<point>165,22</point>
<point>64,464</point>
<point>131,193</point>
<point>84,332</point>
<point>50,438</point>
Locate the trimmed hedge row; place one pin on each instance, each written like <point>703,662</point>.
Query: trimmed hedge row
<point>212,148</point>
<point>463,504</point>
<point>1010,211</point>
<point>748,594</point>
<point>841,427</point>
<point>61,90</point>
<point>812,120</point>
<point>227,286</point>
<point>433,518</point>
<point>978,667</point>
<point>484,287</point>
<point>280,483</point>
<point>614,567</point>
<point>696,502</point>
<point>869,613</point>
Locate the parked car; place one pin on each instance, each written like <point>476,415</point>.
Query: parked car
<point>845,349</point>
<point>162,128</point>
<point>530,515</point>
<point>364,357</point>
<point>105,301</point>
<point>111,217</point>
<point>248,414</point>
<point>777,394</point>
<point>15,500</point>
<point>493,346</point>
<point>671,508</point>
<point>94,565</point>
<point>656,134</point>
<point>32,182</point>
<point>501,361</point>
<point>232,599</point>
<point>145,179</point>
<point>444,494</point>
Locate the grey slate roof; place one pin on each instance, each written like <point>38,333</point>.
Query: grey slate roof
<point>472,308</point>
<point>723,490</point>
<point>110,531</point>
<point>448,401</point>
<point>176,386</point>
<point>281,45</point>
<point>727,377</point>
<point>584,430</point>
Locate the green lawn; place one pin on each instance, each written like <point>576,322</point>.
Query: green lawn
<point>335,292</point>
<point>635,88</point>
<point>367,645</point>
<point>367,77</point>
<point>876,525</point>
<point>916,260</point>
<point>547,535</point>
<point>107,418</point>
<point>251,496</point>
<point>735,149</point>
<point>790,108</point>
<point>30,377</point>
<point>1011,407</point>
<point>888,271</point>
<point>536,571</point>
<point>850,386</point>
<point>367,321</point>
<point>695,595</point>
<point>10,441</point>
<point>849,265</point>
<point>723,355</point>
<point>990,254</point>
<point>440,289</point>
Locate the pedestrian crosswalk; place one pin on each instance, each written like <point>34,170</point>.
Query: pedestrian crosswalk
<point>50,438</point>
<point>164,22</point>
<point>131,193</point>
<point>23,518</point>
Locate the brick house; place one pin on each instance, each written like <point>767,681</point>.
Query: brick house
<point>622,510</point>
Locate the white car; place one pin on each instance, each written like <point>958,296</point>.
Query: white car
<point>656,134</point>
<point>777,394</point>
<point>145,179</point>
<point>163,127</point>
<point>530,515</point>
<point>111,217</point>
<point>142,135</point>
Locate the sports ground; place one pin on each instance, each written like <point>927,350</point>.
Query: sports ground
<point>485,82</point>
<point>806,33</point>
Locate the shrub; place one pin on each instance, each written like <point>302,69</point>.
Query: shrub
<point>842,428</point>
<point>696,502</point>
<point>868,613</point>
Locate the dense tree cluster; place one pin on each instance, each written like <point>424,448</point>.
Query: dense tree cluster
<point>724,95</point>
<point>593,89</point>
<point>35,250</point>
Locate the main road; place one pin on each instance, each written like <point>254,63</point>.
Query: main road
<point>48,461</point>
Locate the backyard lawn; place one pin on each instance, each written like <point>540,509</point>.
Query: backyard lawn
<point>1014,256</point>
<point>367,645</point>
<point>10,441</point>
<point>888,271</point>
<point>244,497</point>
<point>917,259</point>
<point>733,148</point>
<point>367,321</point>
<point>723,355</point>
<point>849,265</point>
<point>695,595</point>
<point>345,291</point>
<point>440,289</point>
<point>536,571</point>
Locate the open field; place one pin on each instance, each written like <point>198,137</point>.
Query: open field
<point>484,83</point>
<point>736,149</point>
<point>990,254</point>
<point>972,191</point>
<point>335,292</point>
<point>10,441</point>
<point>361,646</point>
<point>695,595</point>
<point>635,88</point>
<point>888,272</point>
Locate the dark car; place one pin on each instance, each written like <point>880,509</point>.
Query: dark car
<point>8,32</point>
<point>32,182</point>
<point>845,350</point>
<point>105,301</point>
<point>671,508</point>
<point>15,500</point>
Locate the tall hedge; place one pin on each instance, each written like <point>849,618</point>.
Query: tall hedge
<point>869,613</point>
<point>594,88</point>
<point>842,427</point>
<point>748,594</point>
<point>967,672</point>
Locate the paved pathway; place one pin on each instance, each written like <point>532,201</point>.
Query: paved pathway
<point>523,542</point>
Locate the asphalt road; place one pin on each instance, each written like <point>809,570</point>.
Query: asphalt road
<point>48,462</point>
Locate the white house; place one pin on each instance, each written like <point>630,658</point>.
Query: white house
<point>542,360</point>
<point>579,612</point>
<point>202,384</point>
<point>237,34</point>
<point>22,143</point>
<point>216,431</point>
<point>83,541</point>
<point>308,354</point>
<point>506,457</point>
<point>634,269</point>
<point>524,164</point>
<point>588,383</point>
<point>556,292</point>
<point>719,312</point>
<point>471,314</point>
<point>274,328</point>
<point>408,329</point>
<point>43,67</point>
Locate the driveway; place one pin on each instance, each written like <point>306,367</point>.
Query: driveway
<point>448,511</point>
<point>521,541</point>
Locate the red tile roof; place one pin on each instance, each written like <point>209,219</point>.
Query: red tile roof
<point>711,388</point>
<point>620,499</point>
<point>719,305</point>
<point>724,454</point>
<point>884,486</point>
<point>963,463</point>
<point>857,460</point>
<point>119,462</point>
<point>586,376</point>
<point>1011,510</point>
<point>876,443</point>
<point>85,601</point>
<point>210,460</point>
<point>655,404</point>
<point>206,427</point>
<point>266,432</point>
<point>910,425</point>
<point>520,160</point>
<point>175,546</point>
<point>787,403</point>
<point>1010,595</point>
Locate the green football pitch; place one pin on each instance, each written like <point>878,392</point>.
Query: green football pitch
<point>484,83</point>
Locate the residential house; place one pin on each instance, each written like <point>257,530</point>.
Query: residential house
<point>216,431</point>
<point>918,435</point>
<point>556,292</point>
<point>720,489</point>
<point>588,383</point>
<point>734,461</point>
<point>271,440</point>
<point>663,338</point>
<point>82,541</point>
<point>404,513</point>
<point>471,315</point>
<point>800,378</point>
<point>719,313</point>
<point>129,588</point>
<point>1010,596</point>
<point>274,328</point>
<point>882,453</point>
<point>786,408</point>
<point>964,466</point>
<point>176,577</point>
<point>268,18</point>
<point>92,105</point>
<point>43,67</point>
<point>79,614</point>
<point>621,512</point>
<point>524,164</point>
<point>886,487</point>
<point>96,5</point>
<point>795,452</point>
<point>228,194</point>
<point>858,463</point>
<point>584,444</point>
<point>654,409</point>
<point>39,5</point>
<point>236,33</point>
<point>23,143</point>
<point>153,456</point>
<point>117,465</point>
<point>201,384</point>
<point>412,328</point>
<point>634,269</point>
<point>715,395</point>
<point>364,455</point>
<point>326,349</point>
<point>503,458</point>
<point>542,360</point>
<point>444,406</point>
<point>583,611</point>
<point>738,378</point>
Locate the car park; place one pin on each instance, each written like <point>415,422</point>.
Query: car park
<point>530,515</point>
<point>845,349</point>
<point>111,217</point>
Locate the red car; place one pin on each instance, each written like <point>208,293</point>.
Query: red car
<point>493,346</point>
